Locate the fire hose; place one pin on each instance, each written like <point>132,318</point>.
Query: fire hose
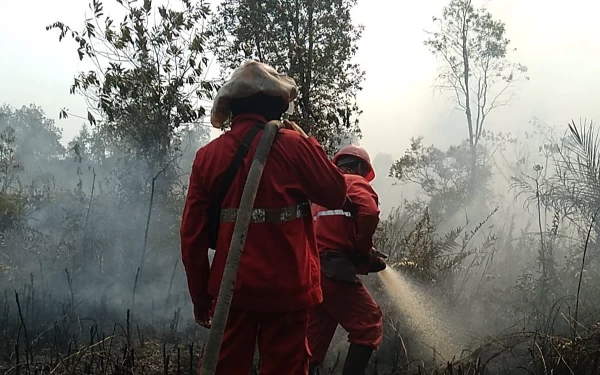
<point>236,248</point>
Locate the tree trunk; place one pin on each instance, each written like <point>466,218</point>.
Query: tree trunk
<point>473,169</point>
<point>472,134</point>
<point>309,63</point>
<point>238,240</point>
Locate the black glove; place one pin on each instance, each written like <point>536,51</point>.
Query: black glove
<point>376,263</point>
<point>371,263</point>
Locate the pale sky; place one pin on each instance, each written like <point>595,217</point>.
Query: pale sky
<point>557,40</point>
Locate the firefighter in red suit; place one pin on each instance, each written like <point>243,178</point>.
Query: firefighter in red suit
<point>278,278</point>
<point>345,241</point>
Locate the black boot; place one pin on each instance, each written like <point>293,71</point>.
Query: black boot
<point>357,360</point>
<point>312,369</point>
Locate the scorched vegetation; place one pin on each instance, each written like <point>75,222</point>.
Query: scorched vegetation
<point>502,238</point>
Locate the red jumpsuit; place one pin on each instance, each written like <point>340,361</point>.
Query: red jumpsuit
<point>278,278</point>
<point>340,235</point>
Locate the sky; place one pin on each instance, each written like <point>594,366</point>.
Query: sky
<point>558,41</point>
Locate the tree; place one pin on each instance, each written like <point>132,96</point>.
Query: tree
<point>473,47</point>
<point>9,166</point>
<point>444,175</point>
<point>149,75</point>
<point>313,41</point>
<point>88,145</point>
<point>37,138</point>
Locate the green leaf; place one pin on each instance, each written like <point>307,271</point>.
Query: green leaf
<point>91,118</point>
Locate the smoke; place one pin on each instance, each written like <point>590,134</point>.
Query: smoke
<point>505,261</point>
<point>74,222</point>
<point>79,253</point>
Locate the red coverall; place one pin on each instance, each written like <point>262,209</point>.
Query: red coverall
<point>278,278</point>
<point>346,301</point>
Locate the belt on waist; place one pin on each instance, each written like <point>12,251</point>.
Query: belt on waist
<point>269,215</point>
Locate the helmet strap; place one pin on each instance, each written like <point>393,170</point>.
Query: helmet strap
<point>357,168</point>
<point>362,169</point>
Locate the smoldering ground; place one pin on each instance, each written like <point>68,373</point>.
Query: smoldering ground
<point>509,259</point>
<point>72,260</point>
<point>504,272</point>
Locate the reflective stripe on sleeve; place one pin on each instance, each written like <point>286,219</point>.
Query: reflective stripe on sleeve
<point>332,213</point>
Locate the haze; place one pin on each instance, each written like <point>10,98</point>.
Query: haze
<point>497,240</point>
<point>557,42</point>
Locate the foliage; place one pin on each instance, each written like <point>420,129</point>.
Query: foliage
<point>40,137</point>
<point>443,260</point>
<point>13,207</point>
<point>574,187</point>
<point>149,76</point>
<point>567,188</point>
<point>9,165</point>
<point>89,145</point>
<point>314,42</point>
<point>444,176</point>
<point>473,47</point>
<point>71,238</point>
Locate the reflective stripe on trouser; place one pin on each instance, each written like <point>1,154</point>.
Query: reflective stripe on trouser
<point>282,343</point>
<point>269,215</point>
<point>332,213</point>
<point>351,306</point>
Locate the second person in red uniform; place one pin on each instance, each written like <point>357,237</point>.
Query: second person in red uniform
<point>345,241</point>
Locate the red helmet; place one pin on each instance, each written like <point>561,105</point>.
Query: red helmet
<point>359,152</point>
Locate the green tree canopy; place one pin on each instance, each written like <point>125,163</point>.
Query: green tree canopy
<point>149,76</point>
<point>314,42</point>
<point>37,138</point>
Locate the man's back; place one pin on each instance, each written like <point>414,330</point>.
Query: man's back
<point>279,270</point>
<point>278,277</point>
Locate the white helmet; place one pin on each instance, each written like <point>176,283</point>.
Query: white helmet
<point>252,77</point>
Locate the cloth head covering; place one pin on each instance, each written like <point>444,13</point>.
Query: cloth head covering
<point>252,77</point>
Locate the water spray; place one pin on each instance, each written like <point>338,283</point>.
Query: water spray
<point>420,313</point>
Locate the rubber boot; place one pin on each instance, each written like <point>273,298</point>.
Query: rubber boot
<point>357,360</point>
